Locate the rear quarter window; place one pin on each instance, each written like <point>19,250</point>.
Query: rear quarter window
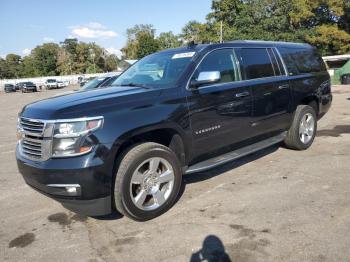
<point>302,61</point>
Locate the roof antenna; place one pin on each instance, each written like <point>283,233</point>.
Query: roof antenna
<point>191,44</point>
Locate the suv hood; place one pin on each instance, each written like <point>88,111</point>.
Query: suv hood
<point>87,103</point>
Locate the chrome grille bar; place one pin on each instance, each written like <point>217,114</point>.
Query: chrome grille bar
<point>32,127</point>
<point>33,144</point>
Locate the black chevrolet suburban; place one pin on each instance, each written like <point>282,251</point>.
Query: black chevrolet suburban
<point>175,112</point>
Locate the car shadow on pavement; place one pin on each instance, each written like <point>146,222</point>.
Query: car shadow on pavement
<point>335,131</point>
<point>115,215</point>
<point>201,176</point>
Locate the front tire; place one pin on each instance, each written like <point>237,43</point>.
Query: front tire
<point>147,182</point>
<point>303,130</point>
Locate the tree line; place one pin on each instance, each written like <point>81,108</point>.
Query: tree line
<point>322,23</point>
<point>68,57</point>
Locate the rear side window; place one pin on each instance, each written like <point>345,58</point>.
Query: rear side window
<point>302,61</point>
<point>257,63</point>
<point>222,60</point>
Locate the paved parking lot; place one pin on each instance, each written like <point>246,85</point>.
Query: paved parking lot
<point>275,205</point>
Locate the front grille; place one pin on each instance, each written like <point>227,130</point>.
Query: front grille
<point>36,138</point>
<point>33,127</point>
<point>32,147</point>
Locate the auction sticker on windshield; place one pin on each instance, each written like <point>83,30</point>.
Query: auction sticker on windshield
<point>183,55</point>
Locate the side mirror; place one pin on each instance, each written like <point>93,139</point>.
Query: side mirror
<point>204,78</point>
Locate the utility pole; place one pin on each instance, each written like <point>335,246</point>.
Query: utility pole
<point>92,54</point>
<point>221,21</point>
<point>221,31</point>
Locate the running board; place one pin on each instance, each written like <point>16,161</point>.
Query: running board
<point>228,157</point>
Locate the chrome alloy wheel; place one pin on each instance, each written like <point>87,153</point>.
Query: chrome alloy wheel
<point>152,183</point>
<point>306,128</point>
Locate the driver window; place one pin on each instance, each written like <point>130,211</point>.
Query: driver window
<point>222,60</point>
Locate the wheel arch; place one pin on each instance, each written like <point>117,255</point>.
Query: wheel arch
<point>313,101</point>
<point>167,135</point>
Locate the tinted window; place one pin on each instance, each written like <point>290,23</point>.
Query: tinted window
<point>256,63</point>
<point>302,61</point>
<point>222,60</point>
<point>308,61</point>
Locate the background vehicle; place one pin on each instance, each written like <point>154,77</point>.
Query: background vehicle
<point>178,111</point>
<point>9,88</point>
<point>60,84</point>
<point>19,86</point>
<point>28,87</point>
<point>100,81</point>
<point>83,81</point>
<point>51,83</point>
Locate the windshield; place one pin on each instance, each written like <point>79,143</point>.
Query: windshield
<point>157,70</point>
<point>51,80</point>
<point>93,83</point>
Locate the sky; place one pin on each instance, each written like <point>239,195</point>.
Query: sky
<point>26,24</point>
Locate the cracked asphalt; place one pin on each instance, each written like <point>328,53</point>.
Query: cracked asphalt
<point>274,205</point>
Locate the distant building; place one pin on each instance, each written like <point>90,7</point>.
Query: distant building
<point>336,62</point>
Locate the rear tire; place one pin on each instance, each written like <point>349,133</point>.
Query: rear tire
<point>303,129</point>
<point>147,182</point>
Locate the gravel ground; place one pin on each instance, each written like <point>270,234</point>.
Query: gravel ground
<point>275,205</point>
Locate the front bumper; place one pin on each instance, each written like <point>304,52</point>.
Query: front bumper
<point>91,175</point>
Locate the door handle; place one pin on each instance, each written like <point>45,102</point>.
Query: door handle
<point>283,87</point>
<point>243,94</point>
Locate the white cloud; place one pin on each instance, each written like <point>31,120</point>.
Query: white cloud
<point>114,51</point>
<point>26,51</point>
<point>92,30</point>
<point>48,39</point>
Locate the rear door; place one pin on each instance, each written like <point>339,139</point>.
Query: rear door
<point>220,113</point>
<point>272,100</point>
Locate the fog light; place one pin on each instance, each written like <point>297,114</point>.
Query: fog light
<point>64,189</point>
<point>71,189</point>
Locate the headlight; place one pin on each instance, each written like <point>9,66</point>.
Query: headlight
<point>70,138</point>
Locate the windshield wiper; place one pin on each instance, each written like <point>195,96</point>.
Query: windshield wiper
<point>134,85</point>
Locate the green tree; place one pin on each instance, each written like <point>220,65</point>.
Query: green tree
<point>141,41</point>
<point>45,59</point>
<point>28,69</point>
<point>65,62</point>
<point>330,39</point>
<point>3,70</point>
<point>168,40</point>
<point>309,21</point>
<point>111,63</point>
<point>146,44</point>
<point>344,21</point>
<point>13,65</point>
